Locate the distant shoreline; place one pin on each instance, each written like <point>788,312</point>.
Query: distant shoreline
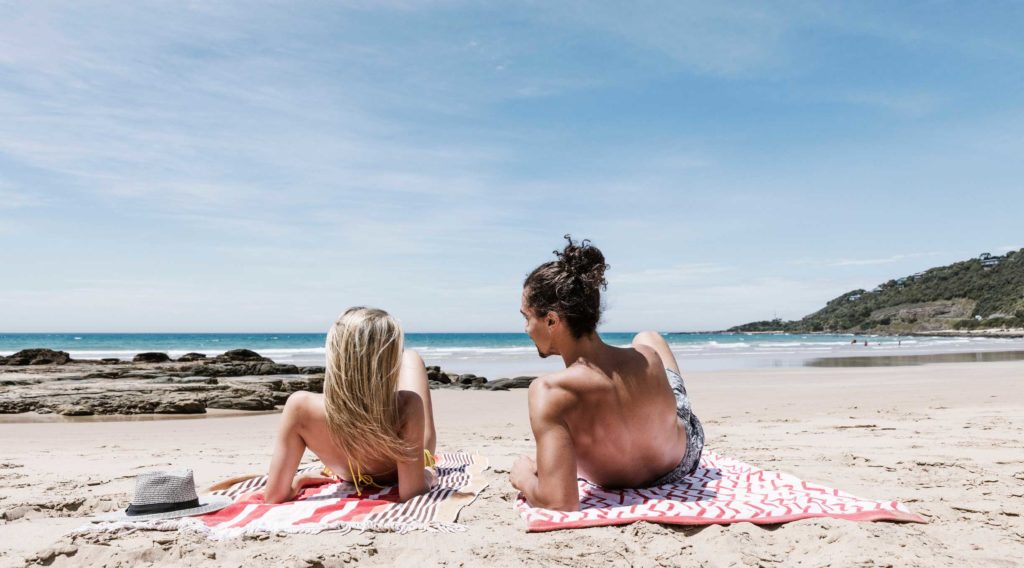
<point>988,333</point>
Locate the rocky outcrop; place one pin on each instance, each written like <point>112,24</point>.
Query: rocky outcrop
<point>924,316</point>
<point>50,382</point>
<point>471,381</point>
<point>237,399</point>
<point>234,369</point>
<point>434,375</point>
<point>37,357</point>
<point>236,355</point>
<point>190,357</point>
<point>151,357</point>
<point>506,384</point>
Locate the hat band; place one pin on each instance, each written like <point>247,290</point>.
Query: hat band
<point>133,510</point>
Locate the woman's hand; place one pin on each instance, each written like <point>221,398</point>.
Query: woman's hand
<point>307,480</point>
<point>430,477</point>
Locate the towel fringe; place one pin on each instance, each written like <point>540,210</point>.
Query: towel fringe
<point>195,526</point>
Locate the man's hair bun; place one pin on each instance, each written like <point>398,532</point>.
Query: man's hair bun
<point>570,286</point>
<point>584,261</point>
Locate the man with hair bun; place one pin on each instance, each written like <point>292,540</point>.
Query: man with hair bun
<point>618,417</point>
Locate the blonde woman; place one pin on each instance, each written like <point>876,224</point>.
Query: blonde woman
<point>372,426</point>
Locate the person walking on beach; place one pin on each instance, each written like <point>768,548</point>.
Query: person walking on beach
<point>618,417</point>
<point>373,425</point>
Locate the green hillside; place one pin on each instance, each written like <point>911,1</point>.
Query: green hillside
<point>985,292</point>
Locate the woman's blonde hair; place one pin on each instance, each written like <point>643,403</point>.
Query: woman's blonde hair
<point>364,353</point>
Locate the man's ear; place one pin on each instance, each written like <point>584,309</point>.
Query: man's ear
<point>551,319</point>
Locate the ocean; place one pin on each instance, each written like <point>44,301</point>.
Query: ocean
<point>505,354</point>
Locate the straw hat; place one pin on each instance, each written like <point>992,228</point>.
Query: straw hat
<point>167,495</point>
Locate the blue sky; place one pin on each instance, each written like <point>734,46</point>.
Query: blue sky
<point>261,166</point>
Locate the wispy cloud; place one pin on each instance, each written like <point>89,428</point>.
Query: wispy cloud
<point>10,199</point>
<point>886,260</point>
<point>863,261</point>
<point>912,104</point>
<point>674,275</point>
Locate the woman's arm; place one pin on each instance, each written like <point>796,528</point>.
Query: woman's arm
<point>413,478</point>
<point>282,484</point>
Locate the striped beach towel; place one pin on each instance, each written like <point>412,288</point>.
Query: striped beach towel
<point>335,506</point>
<point>721,491</point>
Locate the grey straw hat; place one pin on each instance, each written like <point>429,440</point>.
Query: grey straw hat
<point>167,495</point>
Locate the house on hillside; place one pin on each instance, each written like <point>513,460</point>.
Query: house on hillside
<point>853,298</point>
<point>988,261</point>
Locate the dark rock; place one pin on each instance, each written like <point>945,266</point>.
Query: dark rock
<point>189,357</point>
<point>241,355</point>
<point>74,410</point>
<point>151,357</point>
<point>271,384</point>
<point>191,380</point>
<point>505,384</point>
<point>112,374</point>
<point>183,406</point>
<point>280,397</point>
<point>38,357</point>
<point>315,383</point>
<point>471,379</point>
<point>311,370</point>
<point>247,401</point>
<point>290,385</point>
<point>17,405</point>
<point>110,360</point>
<point>243,369</point>
<point>272,368</point>
<point>435,374</point>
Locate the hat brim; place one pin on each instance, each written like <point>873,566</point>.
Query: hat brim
<point>207,504</point>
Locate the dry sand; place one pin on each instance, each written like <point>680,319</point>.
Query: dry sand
<point>945,439</point>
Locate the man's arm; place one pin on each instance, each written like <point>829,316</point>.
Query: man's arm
<point>550,482</point>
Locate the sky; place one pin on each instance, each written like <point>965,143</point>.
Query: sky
<point>261,166</point>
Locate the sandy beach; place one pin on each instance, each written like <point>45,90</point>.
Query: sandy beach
<point>945,439</point>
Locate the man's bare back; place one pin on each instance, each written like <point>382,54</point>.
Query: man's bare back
<point>619,413</point>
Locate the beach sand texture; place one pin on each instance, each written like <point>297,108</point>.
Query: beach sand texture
<point>944,439</point>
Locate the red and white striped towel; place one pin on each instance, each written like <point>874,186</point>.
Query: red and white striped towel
<point>335,506</point>
<point>721,491</point>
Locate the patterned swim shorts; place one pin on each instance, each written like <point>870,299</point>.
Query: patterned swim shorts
<point>694,433</point>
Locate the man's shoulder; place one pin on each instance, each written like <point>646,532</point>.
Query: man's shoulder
<point>570,379</point>
<point>555,390</point>
<point>648,353</point>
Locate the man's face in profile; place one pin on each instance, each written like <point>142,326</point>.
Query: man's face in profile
<point>535,328</point>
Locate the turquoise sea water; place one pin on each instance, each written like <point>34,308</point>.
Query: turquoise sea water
<point>507,353</point>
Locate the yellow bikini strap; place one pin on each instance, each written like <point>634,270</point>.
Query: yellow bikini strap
<point>358,477</point>
<point>428,459</point>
